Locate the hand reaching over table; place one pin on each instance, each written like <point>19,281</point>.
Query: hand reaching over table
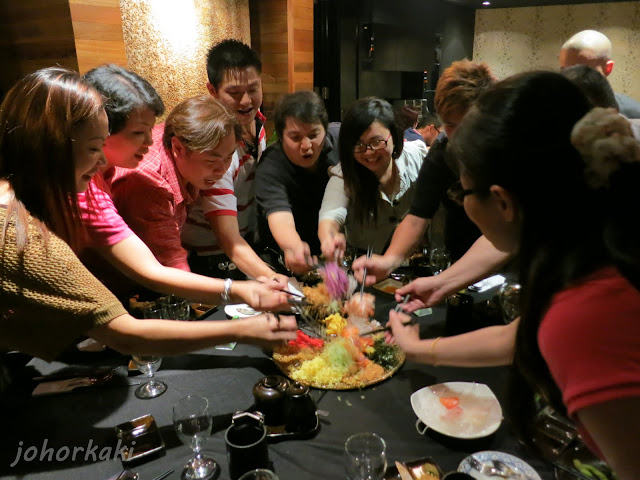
<point>261,296</point>
<point>407,337</point>
<point>268,330</point>
<point>424,291</point>
<point>378,268</point>
<point>333,247</point>
<point>297,259</point>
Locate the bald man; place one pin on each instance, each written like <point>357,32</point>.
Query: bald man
<point>593,48</point>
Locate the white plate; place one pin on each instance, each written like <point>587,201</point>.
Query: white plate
<point>478,415</point>
<point>241,310</point>
<point>488,455</point>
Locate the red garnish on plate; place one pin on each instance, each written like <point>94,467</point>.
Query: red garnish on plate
<point>303,340</point>
<point>450,402</point>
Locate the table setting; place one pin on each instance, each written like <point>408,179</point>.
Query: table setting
<point>306,428</point>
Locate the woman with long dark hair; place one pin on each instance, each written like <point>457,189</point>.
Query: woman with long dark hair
<point>567,205</point>
<point>371,190</point>
<point>53,127</point>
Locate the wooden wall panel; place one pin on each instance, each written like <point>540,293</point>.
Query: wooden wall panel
<point>282,32</point>
<point>269,38</point>
<point>36,34</point>
<point>301,45</point>
<point>97,27</point>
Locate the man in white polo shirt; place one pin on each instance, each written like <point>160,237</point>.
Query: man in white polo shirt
<point>221,227</point>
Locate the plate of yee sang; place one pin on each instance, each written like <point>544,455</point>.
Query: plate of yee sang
<point>341,362</point>
<point>343,358</point>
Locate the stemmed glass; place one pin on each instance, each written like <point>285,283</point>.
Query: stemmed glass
<point>509,297</point>
<point>365,456</point>
<point>149,364</point>
<point>192,422</point>
<point>439,259</point>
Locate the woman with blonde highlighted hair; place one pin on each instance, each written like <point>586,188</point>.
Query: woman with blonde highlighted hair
<point>190,152</point>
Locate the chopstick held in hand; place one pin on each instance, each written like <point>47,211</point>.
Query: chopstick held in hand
<point>413,321</point>
<point>364,272</point>
<point>404,301</point>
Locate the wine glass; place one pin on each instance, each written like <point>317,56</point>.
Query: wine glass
<point>192,422</point>
<point>259,474</point>
<point>149,364</point>
<point>365,457</point>
<point>509,299</point>
<point>439,259</point>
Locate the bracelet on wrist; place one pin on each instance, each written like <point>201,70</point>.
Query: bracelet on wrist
<point>226,294</point>
<point>433,351</point>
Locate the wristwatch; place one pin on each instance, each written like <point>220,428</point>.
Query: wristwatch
<point>226,294</point>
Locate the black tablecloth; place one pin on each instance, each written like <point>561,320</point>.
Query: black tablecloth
<point>226,378</point>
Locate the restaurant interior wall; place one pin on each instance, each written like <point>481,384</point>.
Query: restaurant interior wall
<point>97,33</point>
<point>168,45</point>
<point>35,34</point>
<point>282,32</point>
<point>513,40</point>
<point>404,33</point>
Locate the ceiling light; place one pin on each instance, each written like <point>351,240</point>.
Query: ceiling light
<point>486,3</point>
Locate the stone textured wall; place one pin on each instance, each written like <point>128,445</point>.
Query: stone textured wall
<point>513,40</point>
<point>167,41</point>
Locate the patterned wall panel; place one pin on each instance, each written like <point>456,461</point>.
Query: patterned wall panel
<point>513,40</point>
<point>167,41</point>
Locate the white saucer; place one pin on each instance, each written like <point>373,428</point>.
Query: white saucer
<point>240,310</point>
<point>488,455</point>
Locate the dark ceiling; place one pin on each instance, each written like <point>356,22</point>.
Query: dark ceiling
<point>525,3</point>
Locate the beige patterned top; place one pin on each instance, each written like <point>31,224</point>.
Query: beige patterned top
<point>47,297</point>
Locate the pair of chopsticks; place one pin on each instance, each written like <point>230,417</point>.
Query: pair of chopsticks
<point>364,273</point>
<point>294,294</point>
<point>413,321</point>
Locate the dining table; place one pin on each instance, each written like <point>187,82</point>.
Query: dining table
<point>71,435</point>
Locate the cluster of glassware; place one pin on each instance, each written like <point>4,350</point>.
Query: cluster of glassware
<point>168,308</point>
<point>192,421</point>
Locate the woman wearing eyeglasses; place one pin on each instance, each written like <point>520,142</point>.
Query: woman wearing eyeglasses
<point>371,190</point>
<point>568,207</point>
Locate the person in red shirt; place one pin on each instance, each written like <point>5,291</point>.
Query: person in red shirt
<point>567,207</point>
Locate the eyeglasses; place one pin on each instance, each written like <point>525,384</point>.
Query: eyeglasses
<point>456,193</point>
<point>377,145</point>
<point>436,129</point>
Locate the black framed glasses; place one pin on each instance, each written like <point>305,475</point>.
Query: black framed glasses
<point>377,145</point>
<point>456,193</point>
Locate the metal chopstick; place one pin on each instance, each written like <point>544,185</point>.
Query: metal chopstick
<point>163,475</point>
<point>364,272</point>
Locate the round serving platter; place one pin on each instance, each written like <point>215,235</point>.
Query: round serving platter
<point>286,367</point>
